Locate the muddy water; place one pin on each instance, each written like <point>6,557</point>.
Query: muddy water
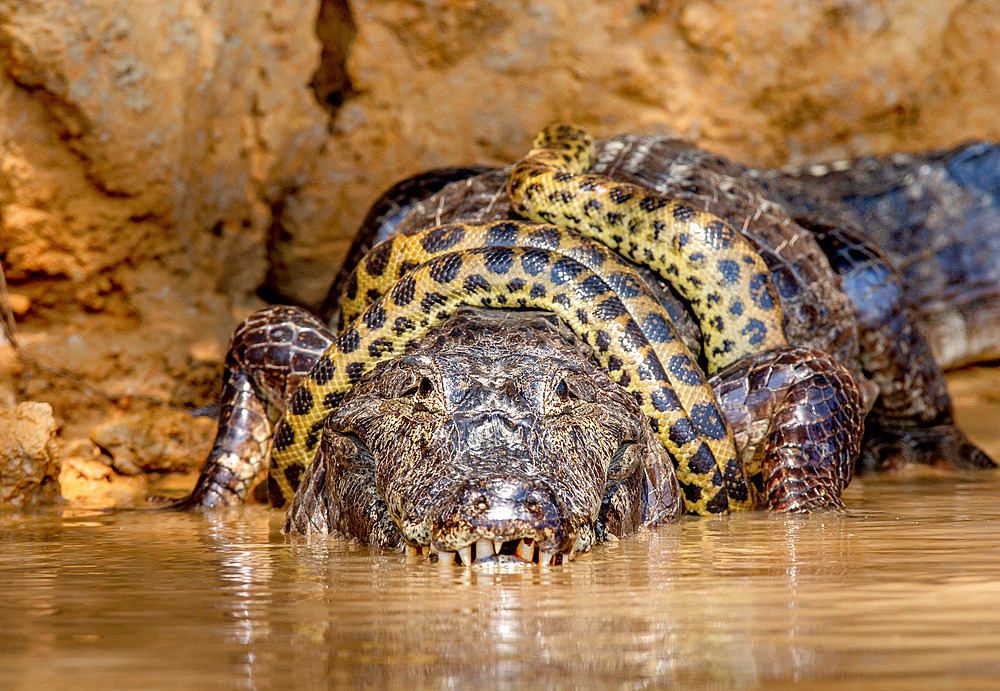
<point>903,590</point>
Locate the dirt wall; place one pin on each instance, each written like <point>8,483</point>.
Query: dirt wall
<point>162,165</point>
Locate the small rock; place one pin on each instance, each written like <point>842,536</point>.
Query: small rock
<point>80,458</point>
<point>89,481</point>
<point>161,441</point>
<point>29,464</point>
<point>91,470</point>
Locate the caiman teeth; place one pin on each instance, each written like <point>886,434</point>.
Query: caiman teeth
<point>484,548</point>
<point>525,549</point>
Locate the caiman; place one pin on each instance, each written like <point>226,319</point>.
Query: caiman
<point>726,362</point>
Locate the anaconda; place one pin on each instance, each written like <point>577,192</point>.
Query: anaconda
<point>838,292</point>
<point>670,360</point>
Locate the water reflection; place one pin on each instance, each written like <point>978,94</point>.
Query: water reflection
<point>901,588</point>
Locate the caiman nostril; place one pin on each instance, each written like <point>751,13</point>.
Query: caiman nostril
<point>500,508</point>
<point>507,424</point>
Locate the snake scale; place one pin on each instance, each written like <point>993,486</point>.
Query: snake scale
<point>408,284</point>
<point>399,254</point>
<point>721,276</point>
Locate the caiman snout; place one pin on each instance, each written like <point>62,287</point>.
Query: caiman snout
<point>501,515</point>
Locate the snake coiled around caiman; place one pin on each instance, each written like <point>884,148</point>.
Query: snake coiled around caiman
<point>708,262</point>
<point>797,412</point>
<point>684,415</point>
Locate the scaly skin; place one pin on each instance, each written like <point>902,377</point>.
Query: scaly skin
<point>269,355</point>
<point>723,279</point>
<point>381,221</point>
<point>504,277</point>
<point>398,255</point>
<point>802,459</point>
<point>936,217</point>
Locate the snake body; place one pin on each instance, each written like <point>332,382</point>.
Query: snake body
<point>723,279</point>
<point>399,254</point>
<point>726,283</point>
<point>517,277</point>
<point>385,214</point>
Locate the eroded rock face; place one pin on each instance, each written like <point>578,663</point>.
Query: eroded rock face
<point>162,162</point>
<point>29,465</point>
<point>143,149</point>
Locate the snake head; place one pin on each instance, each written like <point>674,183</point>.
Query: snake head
<point>493,437</point>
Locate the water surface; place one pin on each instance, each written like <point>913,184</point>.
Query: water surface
<point>903,590</point>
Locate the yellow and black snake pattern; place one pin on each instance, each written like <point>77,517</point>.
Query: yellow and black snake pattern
<point>721,276</point>
<point>515,277</point>
<point>395,257</point>
<point>410,283</point>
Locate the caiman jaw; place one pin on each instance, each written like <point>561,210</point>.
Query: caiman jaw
<point>523,549</point>
<point>502,518</point>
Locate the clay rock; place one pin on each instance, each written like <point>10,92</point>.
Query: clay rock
<point>154,441</point>
<point>143,149</point>
<point>124,119</point>
<point>86,480</point>
<point>29,464</point>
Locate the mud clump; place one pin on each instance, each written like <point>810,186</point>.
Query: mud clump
<point>168,442</point>
<point>29,459</point>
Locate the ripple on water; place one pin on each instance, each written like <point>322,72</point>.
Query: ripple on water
<point>901,588</point>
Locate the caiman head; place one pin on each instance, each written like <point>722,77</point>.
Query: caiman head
<point>493,437</point>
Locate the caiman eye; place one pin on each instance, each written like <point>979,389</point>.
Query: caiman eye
<point>562,391</point>
<point>571,387</point>
<point>421,387</point>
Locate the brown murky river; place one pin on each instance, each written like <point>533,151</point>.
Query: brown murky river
<point>902,591</point>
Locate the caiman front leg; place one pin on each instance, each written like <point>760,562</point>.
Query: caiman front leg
<point>269,354</point>
<point>798,419</point>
